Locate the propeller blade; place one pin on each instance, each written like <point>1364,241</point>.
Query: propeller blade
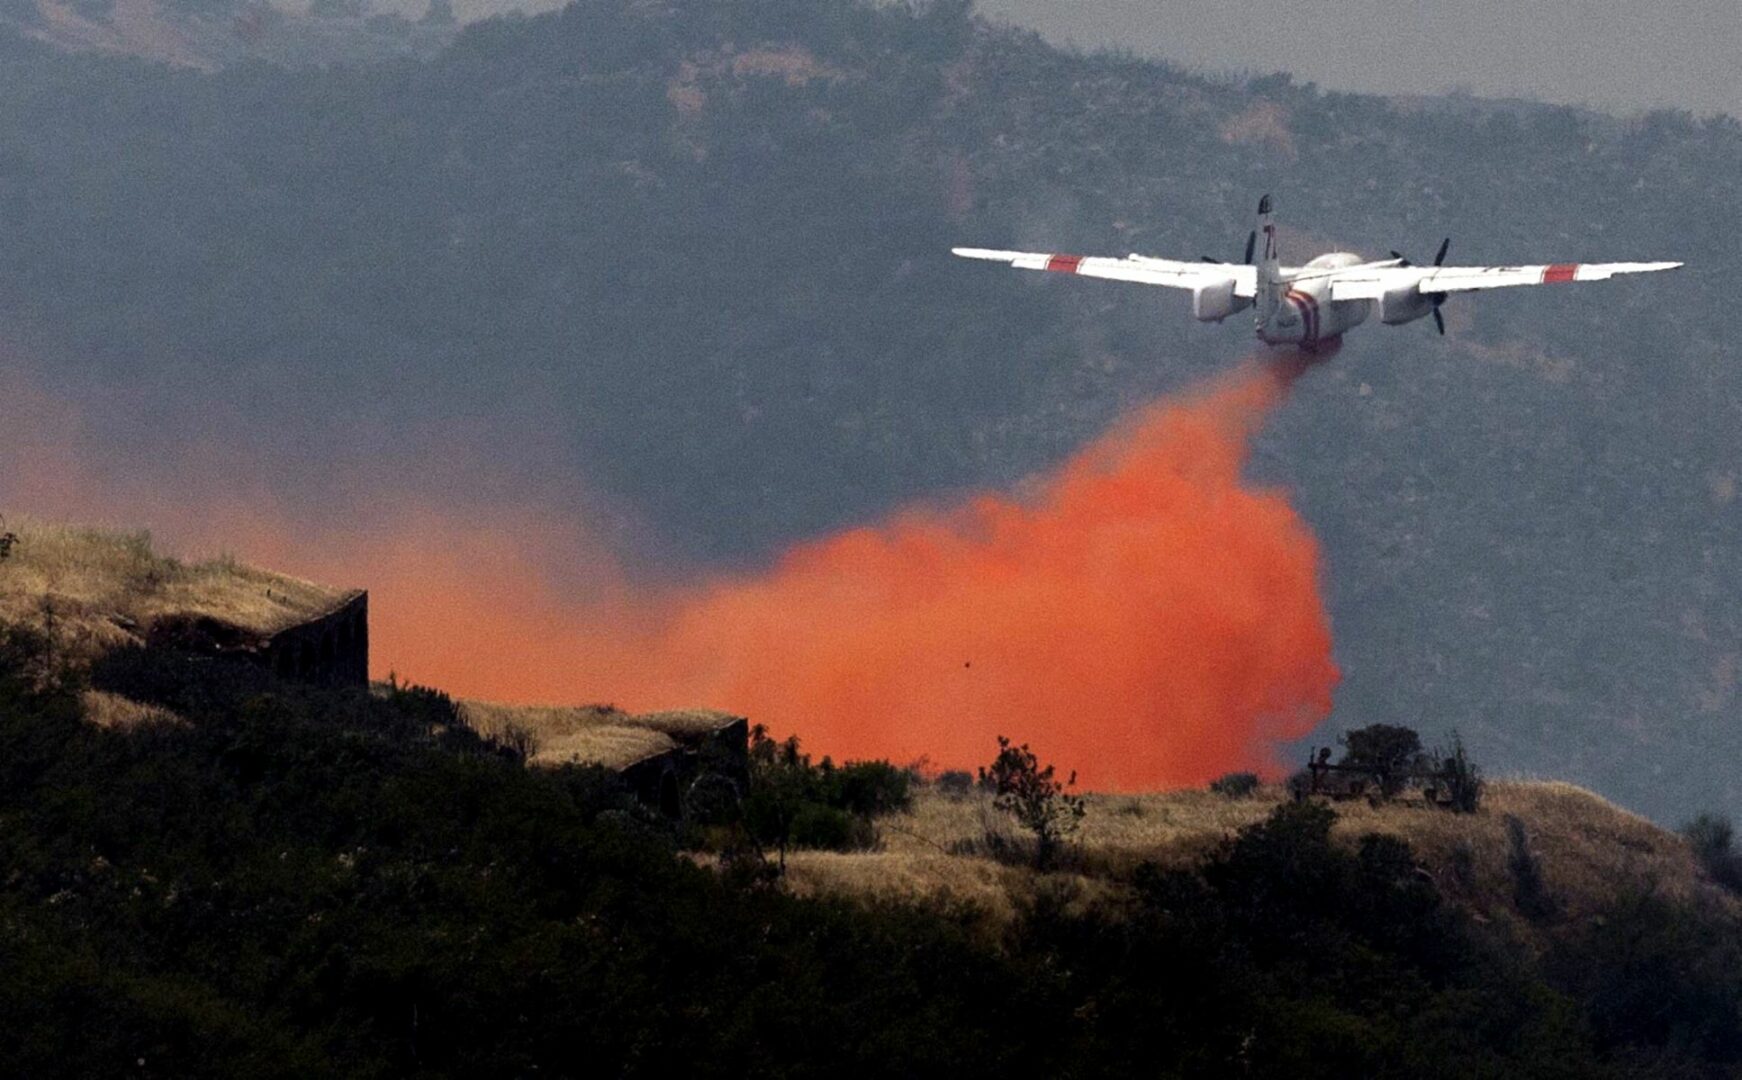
<point>1251,245</point>
<point>1440,259</point>
<point>1439,320</point>
<point>1401,257</point>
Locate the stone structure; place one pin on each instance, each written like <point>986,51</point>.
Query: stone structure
<point>330,648</point>
<point>705,747</point>
<point>673,761</point>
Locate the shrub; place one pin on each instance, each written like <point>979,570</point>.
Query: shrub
<point>1711,837</point>
<point>1389,751</point>
<point>869,788</point>
<point>817,825</point>
<point>794,802</point>
<point>1034,797</point>
<point>1235,785</point>
<point>1463,780</point>
<point>1530,893</point>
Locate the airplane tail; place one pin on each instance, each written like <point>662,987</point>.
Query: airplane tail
<point>1269,264</point>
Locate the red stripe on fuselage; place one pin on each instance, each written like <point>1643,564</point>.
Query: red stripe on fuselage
<point>1560,272</point>
<point>1064,264</point>
<point>1309,311</point>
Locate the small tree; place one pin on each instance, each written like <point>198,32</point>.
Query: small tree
<point>1388,751</point>
<point>1034,797</point>
<point>781,783</point>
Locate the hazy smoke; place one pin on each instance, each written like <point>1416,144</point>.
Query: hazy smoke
<point>1143,616</point>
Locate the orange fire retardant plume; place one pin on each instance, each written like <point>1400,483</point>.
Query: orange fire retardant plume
<point>1141,615</point>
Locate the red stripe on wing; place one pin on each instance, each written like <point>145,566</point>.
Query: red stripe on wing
<point>1064,264</point>
<point>1560,272</point>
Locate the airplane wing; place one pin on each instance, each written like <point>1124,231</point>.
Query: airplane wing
<point>1139,268</point>
<point>1370,283</point>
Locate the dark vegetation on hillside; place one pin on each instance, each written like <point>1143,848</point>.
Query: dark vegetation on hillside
<point>302,882</point>
<point>693,252</point>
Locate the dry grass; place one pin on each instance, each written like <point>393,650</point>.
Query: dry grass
<point>118,713</point>
<point>1590,850</point>
<point>681,722</point>
<point>997,890</point>
<point>99,589</point>
<point>599,734</point>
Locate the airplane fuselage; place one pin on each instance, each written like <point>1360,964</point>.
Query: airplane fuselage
<point>1304,313</point>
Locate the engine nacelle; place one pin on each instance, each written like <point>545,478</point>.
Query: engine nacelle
<point>1404,305</point>
<point>1213,303</point>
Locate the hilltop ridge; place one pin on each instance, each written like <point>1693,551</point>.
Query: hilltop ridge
<point>103,588</point>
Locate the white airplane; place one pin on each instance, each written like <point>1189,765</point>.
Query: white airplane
<point>1312,305</point>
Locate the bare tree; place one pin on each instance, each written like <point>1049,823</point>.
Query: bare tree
<point>1033,796</point>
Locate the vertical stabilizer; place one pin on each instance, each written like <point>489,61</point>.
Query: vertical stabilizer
<point>1270,284</point>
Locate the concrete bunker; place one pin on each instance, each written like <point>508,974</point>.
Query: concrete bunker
<point>665,758</point>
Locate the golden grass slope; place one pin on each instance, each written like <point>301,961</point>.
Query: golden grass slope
<point>1590,851</point>
<point>99,588</point>
<point>595,734</point>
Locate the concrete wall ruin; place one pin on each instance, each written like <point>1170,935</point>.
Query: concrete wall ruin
<point>669,782</point>
<point>332,650</point>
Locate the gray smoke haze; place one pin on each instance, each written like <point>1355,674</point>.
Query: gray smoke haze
<point>1609,54</point>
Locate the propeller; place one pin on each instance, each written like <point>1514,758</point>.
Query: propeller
<point>1437,298</point>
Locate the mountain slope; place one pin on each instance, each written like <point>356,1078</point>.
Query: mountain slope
<point>694,254</point>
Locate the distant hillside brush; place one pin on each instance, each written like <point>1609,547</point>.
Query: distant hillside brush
<point>1461,778</point>
<point>1712,838</point>
<point>1530,891</point>
<point>956,783</point>
<point>1034,797</point>
<point>1235,785</point>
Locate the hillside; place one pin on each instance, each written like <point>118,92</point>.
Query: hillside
<point>1592,853</point>
<point>256,874</point>
<point>210,34</point>
<point>289,880</point>
<point>682,265</point>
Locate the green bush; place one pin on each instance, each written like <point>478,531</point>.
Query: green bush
<point>794,802</point>
<point>869,788</point>
<point>816,825</point>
